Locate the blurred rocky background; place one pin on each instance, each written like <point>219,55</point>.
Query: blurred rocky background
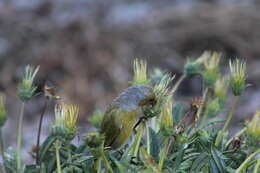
<point>86,47</point>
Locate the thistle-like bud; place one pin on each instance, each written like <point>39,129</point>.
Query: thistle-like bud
<point>140,72</point>
<point>162,90</point>
<point>156,75</point>
<point>94,139</point>
<point>213,107</point>
<point>220,89</point>
<point>25,88</point>
<point>253,127</point>
<point>211,72</point>
<point>166,117</point>
<point>237,77</point>
<point>194,67</point>
<point>96,119</point>
<point>3,113</point>
<point>66,117</point>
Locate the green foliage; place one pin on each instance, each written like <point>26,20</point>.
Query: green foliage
<point>168,137</point>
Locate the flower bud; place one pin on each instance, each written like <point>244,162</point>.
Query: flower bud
<point>140,72</point>
<point>94,139</point>
<point>66,117</point>
<point>162,91</point>
<point>25,88</point>
<point>237,77</point>
<point>194,67</point>
<point>213,107</point>
<point>211,72</point>
<point>220,90</point>
<point>3,113</point>
<point>253,127</point>
<point>166,117</point>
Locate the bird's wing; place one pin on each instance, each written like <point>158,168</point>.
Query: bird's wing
<point>111,125</point>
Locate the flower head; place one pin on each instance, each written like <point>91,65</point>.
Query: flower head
<point>213,107</point>
<point>161,92</point>
<point>140,72</point>
<point>166,117</point>
<point>220,89</point>
<point>193,67</point>
<point>211,72</point>
<point>25,88</point>
<point>71,116</point>
<point>161,89</point>
<point>237,76</point>
<point>253,127</point>
<point>66,117</point>
<point>3,113</point>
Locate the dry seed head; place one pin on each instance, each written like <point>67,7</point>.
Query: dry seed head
<point>196,102</point>
<point>140,72</point>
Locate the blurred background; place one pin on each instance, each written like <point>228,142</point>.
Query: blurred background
<point>86,48</point>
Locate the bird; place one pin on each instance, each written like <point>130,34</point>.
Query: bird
<point>121,115</point>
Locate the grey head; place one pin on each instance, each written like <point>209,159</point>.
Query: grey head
<point>133,96</point>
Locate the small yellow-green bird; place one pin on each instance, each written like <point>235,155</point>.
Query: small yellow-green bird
<point>121,115</point>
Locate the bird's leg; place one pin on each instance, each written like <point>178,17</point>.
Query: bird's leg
<point>143,118</point>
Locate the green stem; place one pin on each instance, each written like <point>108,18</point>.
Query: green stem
<point>257,166</point>
<point>19,138</point>
<point>166,148</point>
<point>39,131</point>
<point>244,165</point>
<point>106,162</point>
<point>138,138</point>
<point>204,97</point>
<point>229,118</point>
<point>2,151</point>
<point>69,158</point>
<point>148,140</point>
<point>177,84</point>
<point>57,151</point>
<point>98,165</point>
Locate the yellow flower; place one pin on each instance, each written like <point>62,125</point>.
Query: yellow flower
<point>254,125</point>
<point>71,116</point>
<point>66,117</point>
<point>237,76</point>
<point>166,118</point>
<point>140,72</point>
